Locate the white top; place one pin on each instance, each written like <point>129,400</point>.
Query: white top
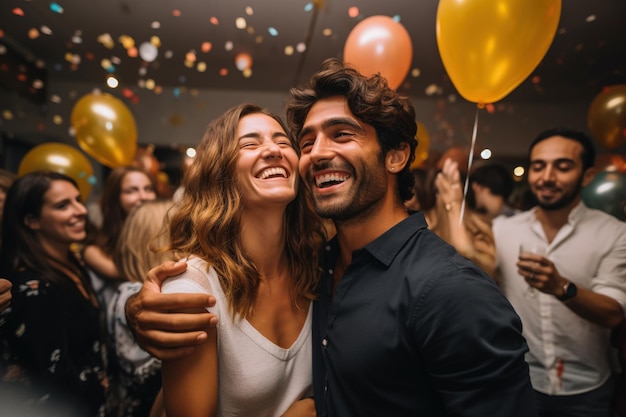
<point>257,377</point>
<point>568,354</point>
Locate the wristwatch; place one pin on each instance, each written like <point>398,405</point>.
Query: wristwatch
<point>569,291</point>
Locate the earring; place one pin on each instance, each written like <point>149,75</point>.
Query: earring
<point>392,169</point>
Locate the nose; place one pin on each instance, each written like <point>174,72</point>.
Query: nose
<point>547,174</point>
<point>321,149</point>
<point>271,150</point>
<point>145,195</point>
<point>80,209</point>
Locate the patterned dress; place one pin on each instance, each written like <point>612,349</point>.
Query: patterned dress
<point>54,354</point>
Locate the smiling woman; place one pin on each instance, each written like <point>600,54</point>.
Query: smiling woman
<point>252,241</point>
<point>53,328</point>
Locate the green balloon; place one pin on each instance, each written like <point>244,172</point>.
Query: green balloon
<point>607,192</point>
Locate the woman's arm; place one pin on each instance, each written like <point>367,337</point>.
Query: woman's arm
<point>190,384</point>
<point>100,263</point>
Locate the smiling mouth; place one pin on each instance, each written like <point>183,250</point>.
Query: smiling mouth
<point>328,180</point>
<point>275,172</point>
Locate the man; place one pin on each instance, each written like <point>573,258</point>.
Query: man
<point>577,290</point>
<point>491,184</point>
<point>404,326</point>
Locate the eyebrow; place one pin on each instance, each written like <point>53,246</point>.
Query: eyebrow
<point>333,122</point>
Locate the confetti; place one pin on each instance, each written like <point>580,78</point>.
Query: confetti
<point>55,7</point>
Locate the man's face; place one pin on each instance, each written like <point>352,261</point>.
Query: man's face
<point>341,161</point>
<point>555,175</point>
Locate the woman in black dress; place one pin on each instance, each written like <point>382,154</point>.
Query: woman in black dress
<point>54,326</point>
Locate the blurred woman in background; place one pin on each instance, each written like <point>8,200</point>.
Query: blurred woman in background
<point>54,327</point>
<point>126,188</point>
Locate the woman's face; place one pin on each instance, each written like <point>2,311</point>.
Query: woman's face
<point>267,167</point>
<point>135,190</point>
<point>63,215</point>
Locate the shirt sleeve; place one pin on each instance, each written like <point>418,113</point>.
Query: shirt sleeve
<point>472,343</point>
<point>610,279</point>
<point>194,280</point>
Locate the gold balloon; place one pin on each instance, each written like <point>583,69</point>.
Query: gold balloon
<point>379,44</point>
<point>607,116</point>
<point>105,129</point>
<point>489,47</point>
<point>423,144</point>
<point>62,158</point>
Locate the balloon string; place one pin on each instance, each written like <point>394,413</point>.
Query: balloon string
<point>470,160</point>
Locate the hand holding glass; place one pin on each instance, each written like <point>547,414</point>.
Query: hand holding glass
<point>534,248</point>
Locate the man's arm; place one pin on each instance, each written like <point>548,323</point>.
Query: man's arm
<point>471,341</point>
<point>542,274</point>
<point>156,321</point>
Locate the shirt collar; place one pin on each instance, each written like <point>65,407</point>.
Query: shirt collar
<point>575,214</point>
<point>386,247</point>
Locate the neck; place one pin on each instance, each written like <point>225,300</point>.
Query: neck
<point>553,220</point>
<point>60,252</point>
<point>263,237</point>
<point>355,234</point>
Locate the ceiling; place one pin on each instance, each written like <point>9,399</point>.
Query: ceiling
<point>67,40</point>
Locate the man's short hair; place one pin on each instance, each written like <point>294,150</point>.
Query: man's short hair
<point>588,155</point>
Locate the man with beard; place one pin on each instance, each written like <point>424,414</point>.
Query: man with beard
<point>570,296</point>
<point>404,325</point>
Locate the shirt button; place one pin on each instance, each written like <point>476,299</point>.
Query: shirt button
<point>324,342</point>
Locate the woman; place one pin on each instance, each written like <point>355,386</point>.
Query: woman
<point>440,197</point>
<point>54,328</point>
<point>252,240</point>
<point>126,187</point>
<point>138,249</point>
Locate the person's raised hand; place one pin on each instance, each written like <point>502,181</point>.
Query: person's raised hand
<point>168,326</point>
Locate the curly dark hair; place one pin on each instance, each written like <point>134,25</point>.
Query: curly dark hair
<point>371,100</point>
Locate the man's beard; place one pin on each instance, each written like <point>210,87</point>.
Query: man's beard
<point>564,201</point>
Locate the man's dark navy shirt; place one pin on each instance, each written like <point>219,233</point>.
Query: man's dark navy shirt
<point>415,329</point>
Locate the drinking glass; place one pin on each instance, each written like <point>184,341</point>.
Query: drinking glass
<point>536,248</point>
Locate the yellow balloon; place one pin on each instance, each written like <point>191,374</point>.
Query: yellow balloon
<point>423,144</point>
<point>62,158</point>
<point>488,47</point>
<point>607,116</point>
<point>105,129</point>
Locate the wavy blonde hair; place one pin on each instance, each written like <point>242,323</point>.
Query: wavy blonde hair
<point>207,220</point>
<point>143,240</point>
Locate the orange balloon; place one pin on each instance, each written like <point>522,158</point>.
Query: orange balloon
<point>62,158</point>
<point>607,116</point>
<point>379,44</point>
<point>489,47</point>
<point>105,129</point>
<point>423,144</point>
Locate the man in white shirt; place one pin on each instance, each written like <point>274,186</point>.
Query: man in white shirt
<point>570,297</point>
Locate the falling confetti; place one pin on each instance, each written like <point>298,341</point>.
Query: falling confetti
<point>55,7</point>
